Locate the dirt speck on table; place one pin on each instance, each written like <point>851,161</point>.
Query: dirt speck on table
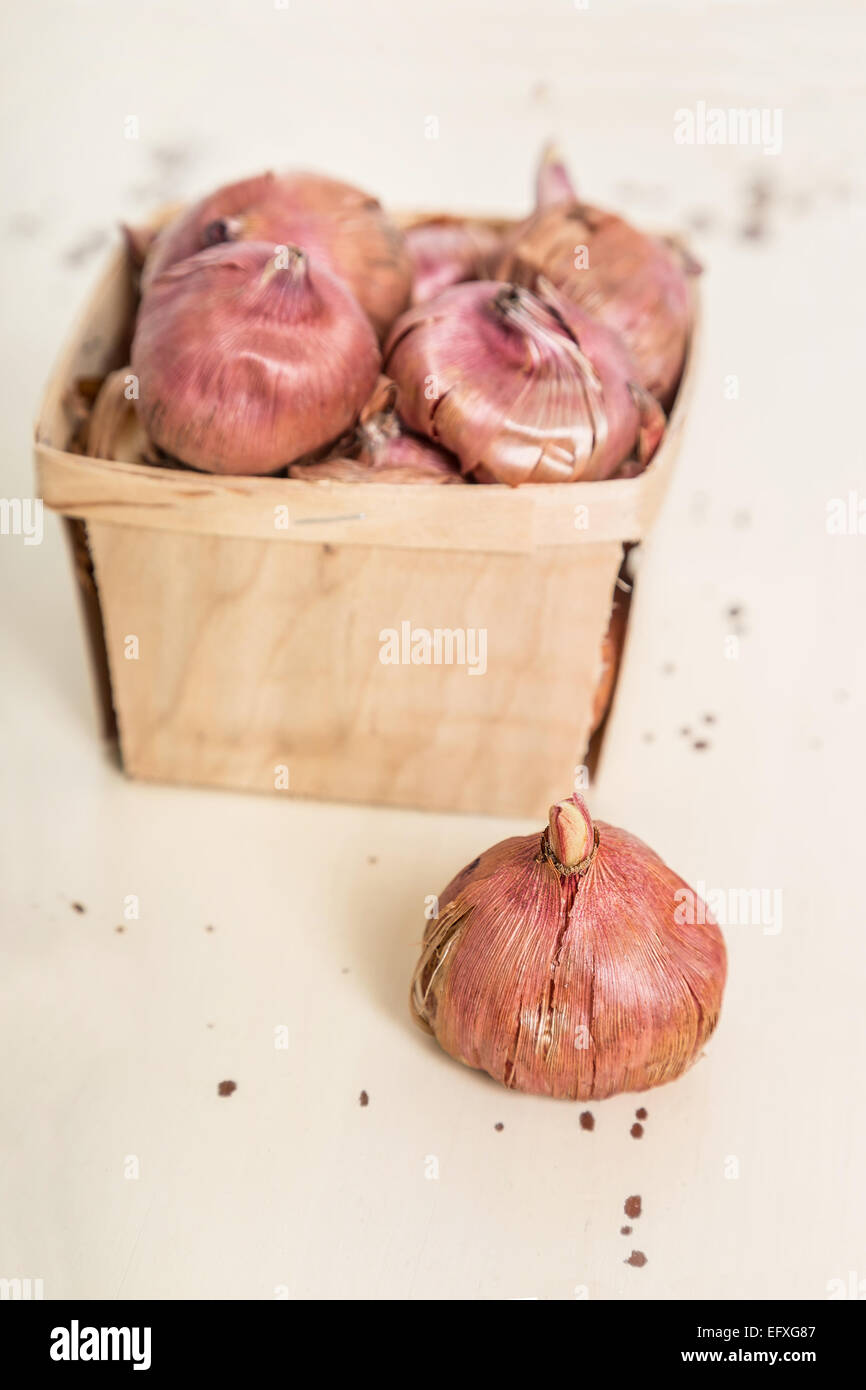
<point>632,1207</point>
<point>587,1120</point>
<point>87,246</point>
<point>759,197</point>
<point>363,1099</point>
<point>225,1088</point>
<point>636,1131</point>
<point>637,1259</point>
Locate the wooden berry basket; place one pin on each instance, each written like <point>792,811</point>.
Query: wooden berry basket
<point>258,604</point>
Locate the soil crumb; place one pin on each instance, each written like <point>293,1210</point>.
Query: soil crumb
<point>82,250</point>
<point>637,1259</point>
<point>363,1099</point>
<point>632,1207</point>
<point>625,1230</point>
<point>636,1131</point>
<point>587,1120</point>
<point>701,220</point>
<point>758,197</point>
<point>78,907</point>
<point>640,1114</point>
<point>736,614</point>
<point>225,1088</point>
<point>499,1127</point>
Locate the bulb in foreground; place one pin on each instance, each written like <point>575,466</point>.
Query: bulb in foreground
<point>636,284</point>
<point>339,227</point>
<point>572,963</point>
<point>247,361</point>
<point>522,387</point>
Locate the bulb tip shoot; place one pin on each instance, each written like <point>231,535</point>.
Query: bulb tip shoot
<point>571,832</point>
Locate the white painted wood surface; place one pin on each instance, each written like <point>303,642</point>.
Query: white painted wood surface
<point>114,1043</point>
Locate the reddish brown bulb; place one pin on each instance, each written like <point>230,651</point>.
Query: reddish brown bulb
<point>572,963</point>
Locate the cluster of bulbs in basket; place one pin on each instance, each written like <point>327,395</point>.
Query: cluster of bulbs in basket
<point>286,323</point>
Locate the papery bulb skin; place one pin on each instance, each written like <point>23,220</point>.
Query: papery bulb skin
<point>382,450</point>
<point>521,386</point>
<point>633,283</point>
<point>339,227</point>
<point>247,361</point>
<point>576,979</point>
<point>421,469</point>
<point>114,430</point>
<point>385,446</point>
<point>446,251</point>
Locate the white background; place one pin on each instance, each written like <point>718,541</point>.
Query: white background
<point>114,1043</point>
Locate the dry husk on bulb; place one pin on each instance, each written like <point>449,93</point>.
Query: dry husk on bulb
<point>419,466</point>
<point>114,430</point>
<point>382,450</point>
<point>448,250</point>
<point>559,965</point>
<point>337,225</point>
<point>522,387</point>
<point>634,283</point>
<point>247,361</point>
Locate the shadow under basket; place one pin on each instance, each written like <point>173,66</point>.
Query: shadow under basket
<point>241,628</point>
